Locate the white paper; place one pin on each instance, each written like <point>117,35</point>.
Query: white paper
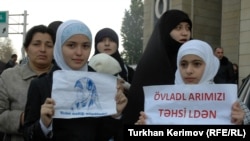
<point>188,104</point>
<point>83,94</point>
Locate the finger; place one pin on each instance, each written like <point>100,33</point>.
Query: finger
<point>48,112</point>
<point>237,118</point>
<point>138,122</point>
<point>119,95</point>
<point>119,84</point>
<point>123,100</point>
<point>50,101</point>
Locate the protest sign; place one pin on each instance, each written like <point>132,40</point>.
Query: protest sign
<point>189,104</point>
<point>83,94</point>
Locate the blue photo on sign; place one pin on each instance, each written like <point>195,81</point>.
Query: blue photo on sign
<point>86,94</point>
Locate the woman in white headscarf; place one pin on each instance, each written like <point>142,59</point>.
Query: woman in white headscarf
<point>71,52</point>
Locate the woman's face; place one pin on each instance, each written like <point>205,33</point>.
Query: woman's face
<point>192,68</point>
<point>181,33</point>
<point>40,50</point>
<point>76,51</point>
<point>107,45</point>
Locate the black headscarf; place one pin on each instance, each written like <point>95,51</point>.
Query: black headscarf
<point>107,32</point>
<point>54,26</point>
<point>158,63</point>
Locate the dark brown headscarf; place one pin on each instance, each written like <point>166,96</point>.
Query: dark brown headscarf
<point>158,63</point>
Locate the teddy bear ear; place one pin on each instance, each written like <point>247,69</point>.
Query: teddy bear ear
<point>105,63</point>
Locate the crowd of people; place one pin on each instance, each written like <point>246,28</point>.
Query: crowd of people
<point>27,106</point>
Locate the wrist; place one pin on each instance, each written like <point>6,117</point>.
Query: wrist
<point>22,119</point>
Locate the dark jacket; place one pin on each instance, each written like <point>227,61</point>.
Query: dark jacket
<point>2,67</point>
<point>10,64</point>
<point>225,73</point>
<point>79,129</point>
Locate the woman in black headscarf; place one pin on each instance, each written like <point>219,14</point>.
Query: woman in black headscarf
<point>158,63</point>
<point>107,41</point>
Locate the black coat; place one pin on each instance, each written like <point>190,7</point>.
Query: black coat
<point>79,129</point>
<point>225,73</point>
<point>157,65</point>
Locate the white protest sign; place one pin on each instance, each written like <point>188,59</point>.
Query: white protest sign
<point>83,94</point>
<point>189,104</point>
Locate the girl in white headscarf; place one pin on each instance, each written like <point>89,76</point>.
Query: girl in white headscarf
<point>71,52</point>
<point>205,58</point>
<point>196,64</point>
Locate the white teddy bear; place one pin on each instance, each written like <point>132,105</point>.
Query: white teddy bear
<point>105,63</point>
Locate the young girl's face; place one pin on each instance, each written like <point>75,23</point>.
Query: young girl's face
<point>107,45</point>
<point>76,51</point>
<point>181,33</point>
<point>192,68</point>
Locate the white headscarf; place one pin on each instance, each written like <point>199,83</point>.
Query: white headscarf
<point>203,50</point>
<point>64,32</point>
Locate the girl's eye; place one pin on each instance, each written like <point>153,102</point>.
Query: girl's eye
<point>71,45</point>
<point>86,46</point>
<point>183,64</point>
<point>188,28</point>
<point>178,27</point>
<point>197,64</point>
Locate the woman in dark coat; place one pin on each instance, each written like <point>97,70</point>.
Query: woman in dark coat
<point>158,63</point>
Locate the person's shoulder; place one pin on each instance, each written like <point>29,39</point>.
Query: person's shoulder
<point>9,62</point>
<point>11,70</point>
<point>8,65</point>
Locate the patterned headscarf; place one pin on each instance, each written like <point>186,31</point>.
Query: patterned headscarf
<point>64,32</point>
<point>204,51</point>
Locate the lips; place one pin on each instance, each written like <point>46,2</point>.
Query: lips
<point>77,60</point>
<point>190,79</point>
<point>183,40</point>
<point>42,56</point>
<point>107,49</point>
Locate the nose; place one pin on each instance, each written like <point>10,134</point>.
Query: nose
<point>189,69</point>
<point>106,41</point>
<point>79,50</point>
<point>43,48</point>
<point>185,31</point>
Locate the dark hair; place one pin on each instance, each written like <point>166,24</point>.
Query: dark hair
<point>14,56</point>
<point>217,48</point>
<point>34,30</point>
<point>54,26</point>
